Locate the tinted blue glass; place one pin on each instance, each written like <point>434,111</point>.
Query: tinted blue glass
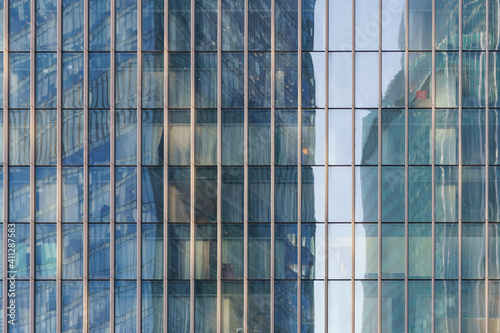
<point>420,251</point>
<point>46,33</point>
<point>473,136</point>
<point>313,137</point>
<point>178,307</point>
<point>23,251</point>
<point>19,137</point>
<point>126,80</point>
<point>206,137</point>
<point>232,137</point>
<point>493,251</point>
<point>126,137</point>
<point>178,251</point>
<point>46,76</point>
<point>259,251</point>
<point>393,194</point>
<point>72,306</point>
<point>285,251</point>
<point>340,79</point>
<point>446,194</point>
<point>22,299</point>
<point>393,26</point>
<point>99,25</point>
<point>473,251</point>
<point>393,306</point>
<point>179,137</point>
<point>125,194</point>
<point>313,80</point>
<point>259,306</point>
<point>259,194</point>
<point>447,79</point>
<point>259,25</point>
<point>366,251</point>
<point>339,128</point>
<point>72,251</point>
<point>446,306</point>
<point>474,25</point>
<point>152,25</point>
<point>232,297</point>
<point>233,25</point>
<point>366,189</point>
<point>152,137</point>
<point>493,194</point>
<point>72,137</point>
<point>19,25</point>
<point>99,306</point>
<point>259,80</point>
<point>419,306</point>
<point>473,194</point>
<point>99,251</point>
<point>1,194</point>
<point>447,26</point>
<point>420,25</point>
<point>446,251</point>
<point>45,305</point>
<point>313,25</point>
<point>473,306</point>
<point>152,80</point>
<point>205,306</point>
<point>339,306</point>
<point>152,251</point>
<point>286,94</point>
<point>1,45</point>
<point>72,84</point>
<point>286,137</point>
<point>152,194</point>
<point>259,137</point>
<point>19,80</point>
<point>46,194</point>
<point>286,194</point>
<point>232,80</point>
<point>179,80</point>
<point>126,25</point>
<point>99,195</point>
<point>179,191</point>
<point>205,257</point>
<point>367,25</point>
<point>420,136</point>
<point>125,306</point>
<point>366,137</point>
<point>232,251</point>
<point>420,82</point>
<point>206,80</point>
<point>99,80</point>
<point>126,251</point>
<point>286,25</point>
<point>313,251</point>
<point>366,79</point>
<point>152,306</point>
<point>72,26</point>
<point>340,251</point>
<point>473,79</point>
<point>205,25</point>
<point>393,244</point>
<point>366,305</point>
<point>46,251</point>
<point>313,194</point>
<point>340,20</point>
<point>1,66</point>
<point>393,136</point>
<point>179,25</point>
<point>99,137</point>
<point>19,194</point>
<point>285,306</point>
<point>232,194</point>
<point>46,135</point>
<point>206,194</point>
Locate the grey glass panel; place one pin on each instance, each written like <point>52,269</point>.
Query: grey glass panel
<point>286,25</point>
<point>366,306</point>
<point>393,24</point>
<point>366,25</point>
<point>494,251</point>
<point>393,194</point>
<point>286,137</point>
<point>259,137</point>
<point>446,194</point>
<point>72,306</point>
<point>99,195</point>
<point>473,137</point>
<point>205,257</point>
<point>393,245</point>
<point>99,306</point>
<point>126,137</point>
<point>179,191</point>
<point>232,80</point>
<point>178,307</point>
<point>259,306</point>
<point>419,306</point>
<point>23,252</point>
<point>447,26</point>
<point>72,251</point>
<point>420,136</point>
<point>393,136</point>
<point>46,137</point>
<point>152,306</point>
<point>152,252</point>
<point>178,251</point>
<point>152,137</point>
<point>205,144</point>
<point>259,194</point>
<point>286,79</point>
<point>339,306</point>
<point>72,80</point>
<point>420,25</point>
<point>313,306</point>
<point>313,251</point>
<point>447,77</point>
<point>473,79</point>
<point>125,306</point>
<point>46,38</point>
<point>285,306</point>
<point>446,306</point>
<point>152,194</point>
<point>22,300</point>
<point>259,80</point>
<point>366,136</point>
<point>99,25</point>
<point>206,194</point>
<point>153,25</point>
<point>313,79</point>
<point>393,306</point>
<point>339,132</point>
<point>19,194</point>
<point>126,80</point>
<point>179,80</point>
<point>232,252</point>
<point>446,251</point>
<point>339,251</point>
<point>205,306</point>
<point>474,25</point>
<point>99,80</point>
<point>99,137</point>
<point>233,19</point>
<point>19,26</point>
<point>125,194</point>
<point>473,306</point>
<point>420,79</point>
<point>259,251</point>
<point>313,194</point>
<point>45,306</point>
<point>286,194</point>
<point>72,26</point>
<point>19,80</point>
<point>366,79</point>
<point>179,25</point>
<point>340,21</point>
<point>152,80</point>
<point>205,25</point>
<point>206,80</point>
<point>46,194</point>
<point>285,251</point>
<point>46,251</point>
<point>420,251</point>
<point>473,251</point>
<point>313,25</point>
<point>340,79</point>
<point>126,25</point>
<point>259,25</point>
<point>232,194</point>
<point>473,194</point>
<point>72,137</point>
<point>46,75</point>
<point>393,79</point>
<point>126,251</point>
<point>179,137</point>
<point>366,251</point>
<point>232,137</point>
<point>447,136</point>
<point>366,191</point>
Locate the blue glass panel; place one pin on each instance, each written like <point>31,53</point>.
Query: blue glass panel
<point>205,306</point>
<point>179,194</point>
<point>152,80</point>
<point>179,80</point>
<point>72,26</point>
<point>493,251</point>
<point>259,80</point>
<point>340,79</point>
<point>46,77</point>
<point>259,137</point>
<point>232,251</point>
<point>259,306</point>
<point>72,251</point>
<point>419,307</point>
<point>126,25</point>
<point>19,137</point>
<point>393,136</point>
<point>99,25</point>
<point>420,136</point>
<point>152,306</point>
<point>366,190</point>
<point>286,137</point>
<point>420,87</point>
<point>447,77</point>
<point>286,94</point>
<point>23,251</point>
<point>339,251</point>
<point>99,137</point>
<point>473,306</point>
<point>205,257</point>
<point>99,80</point>
<point>72,83</point>
<point>285,255</point>
<point>46,33</point>
<point>393,24</point>
<point>446,251</point>
<point>206,194</point>
<point>22,301</point>
<point>233,25</point>
<point>152,25</point>
<point>45,306</point>
<point>72,306</point>
<point>393,244</point>
<point>232,137</point>
<point>152,251</point>
<point>473,194</point>
<point>474,26</point>
<point>206,80</point>
<point>313,25</point>
<point>493,304</point>
<point>420,251</point>
<point>286,25</point>
<point>313,251</point>
<point>46,136</point>
<point>313,194</point>
<point>232,298</point>
<point>205,25</point>
<point>126,251</point>
<point>125,306</point>
<point>446,306</point>
<point>72,195</point>
<point>393,194</point>
<point>339,306</point>
<point>179,137</point>
<point>232,194</point>
<point>447,27</point>
<point>285,306</point>
<point>99,195</point>
<point>286,194</point>
<point>232,80</point>
<point>366,251</point>
<point>46,251</point>
<point>179,25</point>
<point>178,307</point>
<point>393,306</point>
<point>366,305</point>
<point>473,79</point>
<point>99,263</point>
<point>46,194</point>
<point>152,137</point>
<point>259,25</point>
<point>126,80</point>
<point>313,80</point>
<point>1,62</point>
<point>1,195</point>
<point>152,194</point>
<point>494,194</point>
<point>259,194</point>
<point>446,194</point>
<point>366,137</point>
<point>367,25</point>
<point>19,194</point>
<point>420,24</point>
<point>313,137</point>
<point>126,137</point>
<point>99,306</point>
<point>366,79</point>
<point>259,251</point>
<point>473,136</point>
<point>72,137</point>
<point>19,25</point>
<point>178,251</point>
<point>473,251</point>
<point>339,128</point>
<point>19,80</point>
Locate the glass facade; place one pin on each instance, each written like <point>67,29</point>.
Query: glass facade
<point>250,166</point>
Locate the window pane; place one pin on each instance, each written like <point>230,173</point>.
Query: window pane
<point>206,137</point>
<point>420,78</point>
<point>473,251</point>
<point>99,25</point>
<point>339,306</point>
<point>473,78</point>
<point>126,80</point>
<point>178,251</point>
<point>393,306</point>
<point>447,79</point>
<point>19,26</point>
<point>232,194</point>
<point>474,25</point>
<point>259,194</point>
<point>473,194</point>
<point>259,25</point>
<point>447,25</point>
<point>340,77</point>
<point>72,306</point>
<point>99,306</point>
<point>46,136</point>
<point>286,78</point>
<point>366,136</point>
<point>420,136</point>
<point>46,194</point>
<point>473,306</point>
<point>313,25</point>
<point>393,136</point>
<point>22,301</point>
<point>447,194</point>
<point>178,307</point>
<point>286,137</point>
<point>205,25</point>
<point>19,137</point>
<point>179,137</point>
<point>286,194</point>
<point>99,195</point>
<point>313,137</point>
<point>420,25</point>
<point>126,25</point>
<point>46,34</point>
<point>125,306</point>
<point>285,306</point>
<point>179,25</point>
<point>446,251</point>
<point>259,306</point>
<point>285,255</point>
<point>393,24</point>
<point>152,137</point>
<point>46,251</point>
<point>46,70</point>
<point>313,306</point>
<point>205,80</point>
<point>366,306</point>
<point>72,137</point>
<point>494,251</point>
<point>366,79</point>
<point>366,251</point>
<point>179,80</point>
<point>339,251</point>
<point>99,80</point>
<point>152,80</point>
<point>205,306</point>
<point>232,78</point>
<point>339,137</point>
<point>205,258</point>
<point>152,194</point>
<point>126,251</point>
<point>313,80</point>
<point>99,138</point>
<point>179,194</point>
<point>286,25</point>
<point>152,306</point>
<point>393,245</point>
<point>473,137</point>
<point>126,137</point>
<point>23,251</point>
<point>233,21</point>
<point>152,25</point>
<point>313,251</point>
<point>72,252</point>
<point>420,251</point>
<point>419,306</point>
<point>72,26</point>
<point>313,194</point>
<point>19,80</point>
<point>446,306</point>
<point>19,194</point>
<point>152,251</point>
<point>45,306</point>
<point>259,137</point>
<point>259,80</point>
<point>206,194</point>
<point>366,191</point>
<point>259,251</point>
<point>232,252</point>
<point>72,84</point>
<point>232,137</point>
<point>393,194</point>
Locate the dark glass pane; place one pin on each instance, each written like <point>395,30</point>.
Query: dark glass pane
<point>19,194</point>
<point>205,306</point>
<point>393,136</point>
<point>126,251</point>
<point>447,136</point>
<point>259,25</point>
<point>19,27</point>
<point>152,137</point>
<point>393,194</point>
<point>232,252</point>
<point>446,194</point>
<point>286,94</point>
<point>494,194</point>
<point>46,33</point>
<point>232,194</point>
<point>152,25</point>
<point>233,25</point>
<point>152,194</point>
<point>420,251</point>
<point>179,80</point>
<point>46,194</point>
<point>206,194</point>
<point>126,25</point>
<point>179,25</point>
<point>366,137</point>
<point>232,79</point>
<point>99,306</point>
<point>446,251</point>
<point>285,306</point>
<point>259,306</point>
<point>232,137</point>
<point>125,306</point>
<point>286,194</point>
<point>313,306</point>
<point>178,252</point>
<point>152,252</point>
<point>366,251</point>
<point>313,25</point>
<point>285,141</point>
<point>99,80</point>
<point>46,135</point>
<point>179,191</point>
<point>72,84</point>
<point>205,257</point>
<point>259,80</point>
<point>473,79</point>
<point>46,77</point>
<point>23,252</point>
<point>152,306</point>
<point>126,137</point>
<point>259,194</point>
<point>313,137</point>
<point>473,194</point>
<point>473,137</point>
<point>286,25</point>
<point>393,245</point>
<point>285,251</point>
<point>205,25</point>
<point>152,80</point>
<point>178,307</point>
<point>72,252</point>
<point>99,195</point>
<point>99,25</point>
<point>126,80</point>
<point>72,306</point>
<point>179,137</point>
<point>259,137</point>
<point>259,251</point>
<point>72,26</point>
<point>366,190</point>
<point>205,80</point>
<point>72,137</point>
<point>22,301</point>
<point>99,137</point>
<point>313,79</point>
<point>125,194</point>
<point>473,306</point>
<point>313,194</point>
<point>45,306</point>
<point>46,251</point>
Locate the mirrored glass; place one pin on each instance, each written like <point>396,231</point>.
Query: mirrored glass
<point>473,79</point>
<point>259,306</point>
<point>205,306</point>
<point>420,79</point>
<point>313,251</point>
<point>393,304</point>
<point>474,24</point>
<point>72,137</point>
<point>339,306</point>
<point>19,194</point>
<point>125,194</point>
<point>126,80</point>
<point>99,25</point>
<point>178,306</point>
<point>152,80</point>
<point>23,251</point>
<point>205,257</point>
<point>393,79</point>
<point>179,194</point>
<point>313,306</point>
<point>152,194</point>
<point>2,71</point>
<point>178,251</point>
<point>447,131</point>
<point>152,306</point>
<point>285,306</point>
<point>259,137</point>
<point>259,251</point>
<point>233,25</point>
<point>366,137</point>
<point>72,80</point>
<point>232,191</point>
<point>473,136</point>
<point>339,132</point>
<point>446,194</point>
<point>494,194</point>
<point>99,194</point>
<point>473,251</point>
<point>420,136</point>
<point>366,251</point>
<point>473,194</point>
<point>125,251</point>
<point>259,24</point>
<point>366,79</point>
<point>72,26</point>
<point>367,25</point>
<point>286,79</point>
<point>45,306</point>
<point>393,24</point>
<point>259,80</point>
<point>46,251</point>
<point>473,306</point>
<point>126,137</point>
<point>179,80</point>
<point>99,252</point>
<point>447,25</point>
<point>99,80</point>
<point>339,251</point>
<point>419,306</point>
<point>286,194</point>
<point>393,194</point>
<point>179,137</point>
<point>46,194</point>
<point>46,136</point>
<point>153,25</point>
<point>19,25</point>
<point>232,80</point>
<point>313,25</point>
<point>446,306</point>
<point>46,33</point>
<point>205,144</point>
<point>233,137</point>
<point>340,79</point>
<point>125,306</point>
<point>420,251</point>
<point>366,189</point>
<point>446,251</point>
<point>393,136</point>
<point>22,300</point>
<point>313,194</point>
<point>205,25</point>
<point>286,137</point>
<point>152,252</point>
<point>99,137</point>
<point>420,24</point>
<point>259,194</point>
<point>285,251</point>
<point>494,251</point>
<point>232,252</point>
<point>366,306</point>
<point>206,80</point>
<point>46,76</point>
<point>494,136</point>
<point>99,306</point>
<point>126,25</point>
<point>393,244</point>
<point>447,79</point>
<point>152,137</point>
<point>72,306</point>
<point>340,20</point>
<point>286,25</point>
<point>313,79</point>
<point>179,25</point>
<point>72,251</point>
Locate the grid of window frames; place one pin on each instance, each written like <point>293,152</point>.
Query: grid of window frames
<point>251,166</point>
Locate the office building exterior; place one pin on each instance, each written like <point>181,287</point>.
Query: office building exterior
<point>250,166</point>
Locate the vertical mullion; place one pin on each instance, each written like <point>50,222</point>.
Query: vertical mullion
<point>433,161</point>
<point>327,12</point>
<point>299,167</point>
<point>165,167</point>
<point>486,174</point>
<point>219,166</point>
<point>379,167</point>
<point>353,165</point>
<point>273,155</point>
<point>245,172</point>
<point>460,166</point>
<point>407,170</point>
<point>5,189</point>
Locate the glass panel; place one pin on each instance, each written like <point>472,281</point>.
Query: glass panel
<point>339,306</point>
<point>205,258</point>
<point>366,191</point>
<point>447,27</point>
<point>313,306</point>
<point>339,251</point>
<point>447,79</point>
<point>99,195</point>
<point>152,194</point>
<point>259,25</point>
<point>232,189</point>
<point>313,137</point>
<point>286,78</point>
<point>152,80</point>
<point>393,306</point>
<point>313,251</point>
<point>19,28</point>
<point>259,251</point>
<point>286,194</point>
<point>339,130</point>
<point>99,80</point>
<point>152,137</point>
<point>473,306</point>
<point>366,78</point>
<point>446,307</point>
<point>367,25</point>
<point>206,137</point>
<point>99,137</point>
<point>473,79</point>
<point>99,306</point>
<point>46,34</point>
<point>473,194</point>
<point>259,194</point>
<point>205,306</point>
<point>178,252</point>
<point>72,251</point>
<point>285,247</point>
<point>126,25</point>
<point>473,137</point>
<point>126,251</point>
<point>22,301</point>
<point>446,251</point>
<point>72,306</point>
<point>494,136</point>
<point>366,306</point>
<point>366,136</point>
<point>259,80</point>
<point>420,136</point>
<point>126,137</point>
<point>340,21</point>
<point>286,137</point>
<point>19,195</point>
<point>72,26</point>
<point>46,194</point>
<point>494,251</point>
<point>46,77</point>
<point>420,251</point>
<point>286,25</point>
<point>152,306</point>
<point>72,137</point>
<point>420,78</point>
<point>419,307</point>
<point>340,78</point>
<point>152,252</point>
<point>474,25</point>
<point>206,194</point>
<point>46,251</point>
<point>473,251</point>
<point>313,79</point>
<point>205,25</point>
<point>125,306</point>
<point>179,137</point>
<point>494,194</point>
<point>232,306</point>
<point>179,80</point>
<point>126,80</point>
<point>45,306</point>
<point>259,306</point>
<point>393,137</point>
<point>313,25</point>
<point>494,78</point>
<point>46,135</point>
<point>233,19</point>
<point>259,137</point>
<point>366,251</point>
<point>152,25</point>
<point>2,70</point>
<point>393,78</point>
<point>179,194</point>
<point>232,80</point>
<point>393,245</point>
<point>285,306</point>
<point>393,194</point>
<point>23,252</point>
<point>178,307</point>
<point>447,194</point>
<point>313,194</point>
<point>420,25</point>
<point>72,80</point>
<point>179,25</point>
<point>232,137</point>
<point>393,24</point>
<point>99,25</point>
<point>205,79</point>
